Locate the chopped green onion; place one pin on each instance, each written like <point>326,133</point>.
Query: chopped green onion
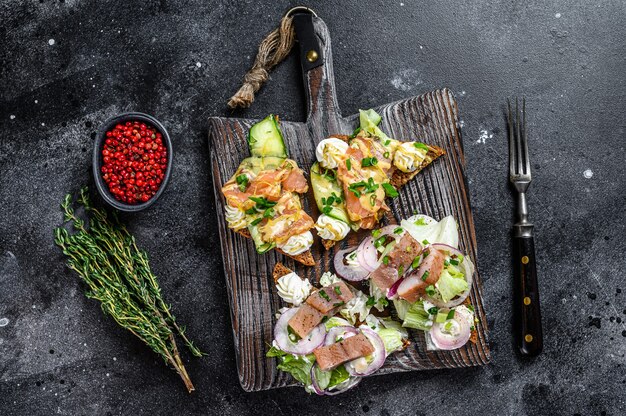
<point>255,222</point>
<point>348,164</point>
<point>242,181</point>
<point>430,290</point>
<point>269,213</point>
<point>373,200</point>
<point>376,233</point>
<point>425,242</point>
<point>416,262</point>
<point>433,310</point>
<point>386,155</point>
<point>446,263</point>
<point>386,260</point>
<point>399,231</point>
<point>390,190</point>
<point>369,161</point>
<point>450,314</point>
<point>251,211</point>
<point>337,290</point>
<point>337,304</point>
<point>421,146</point>
<point>371,301</point>
<point>401,270</point>
<point>425,275</point>
<point>324,295</point>
<point>454,262</point>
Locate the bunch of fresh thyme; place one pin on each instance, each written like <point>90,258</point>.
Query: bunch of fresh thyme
<point>105,255</point>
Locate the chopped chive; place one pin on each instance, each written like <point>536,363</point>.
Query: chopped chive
<point>255,222</point>
<point>376,233</point>
<point>399,231</point>
<point>371,301</point>
<point>430,290</point>
<point>386,260</point>
<point>416,262</point>
<point>348,164</point>
<point>373,200</point>
<point>425,275</point>
<point>242,181</point>
<point>421,146</point>
<point>251,211</point>
<point>324,295</point>
<point>425,242</point>
<point>386,155</point>
<point>337,304</point>
<point>433,310</point>
<point>268,213</point>
<point>383,301</point>
<point>454,262</point>
<point>390,190</point>
<point>323,201</point>
<point>401,270</point>
<point>369,161</point>
<point>450,314</point>
<point>337,290</point>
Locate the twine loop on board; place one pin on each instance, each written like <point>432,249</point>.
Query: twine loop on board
<point>272,50</point>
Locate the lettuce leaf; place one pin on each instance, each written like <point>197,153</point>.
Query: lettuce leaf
<point>451,283</point>
<point>402,306</point>
<point>392,338</point>
<point>416,317</point>
<point>338,376</point>
<point>298,367</point>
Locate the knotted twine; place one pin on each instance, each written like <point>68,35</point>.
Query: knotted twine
<point>272,50</point>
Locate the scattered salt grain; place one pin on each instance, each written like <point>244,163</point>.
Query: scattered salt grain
<point>588,174</point>
<point>50,42</point>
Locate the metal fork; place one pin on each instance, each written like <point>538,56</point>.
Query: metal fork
<point>527,310</point>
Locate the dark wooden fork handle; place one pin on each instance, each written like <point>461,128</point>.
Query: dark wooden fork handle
<point>528,313</point>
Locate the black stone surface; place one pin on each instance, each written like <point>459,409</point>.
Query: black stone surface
<point>67,66</point>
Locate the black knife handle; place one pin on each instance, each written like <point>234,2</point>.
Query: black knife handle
<point>528,313</point>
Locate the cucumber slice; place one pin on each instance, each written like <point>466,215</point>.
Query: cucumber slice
<point>261,246</point>
<point>257,164</point>
<point>323,187</point>
<point>266,139</point>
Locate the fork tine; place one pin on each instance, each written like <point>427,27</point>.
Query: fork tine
<point>518,139</point>
<point>511,141</point>
<point>524,140</point>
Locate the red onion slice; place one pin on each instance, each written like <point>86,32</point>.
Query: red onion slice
<point>379,355</point>
<point>367,255</point>
<point>393,290</point>
<point>337,331</point>
<point>348,272</point>
<point>448,248</point>
<point>445,341</point>
<point>303,346</point>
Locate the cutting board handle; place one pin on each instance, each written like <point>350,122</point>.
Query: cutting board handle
<point>317,71</point>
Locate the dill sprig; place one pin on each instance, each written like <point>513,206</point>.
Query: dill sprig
<point>118,274</point>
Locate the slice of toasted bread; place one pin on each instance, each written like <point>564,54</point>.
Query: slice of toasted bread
<point>280,270</point>
<point>399,178</point>
<point>328,243</point>
<point>305,258</point>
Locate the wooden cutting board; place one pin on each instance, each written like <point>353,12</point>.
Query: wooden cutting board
<point>440,190</point>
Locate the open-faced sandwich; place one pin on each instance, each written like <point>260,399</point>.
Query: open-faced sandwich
<point>354,174</point>
<point>410,275</point>
<point>263,196</point>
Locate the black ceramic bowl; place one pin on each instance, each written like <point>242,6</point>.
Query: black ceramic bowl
<point>103,189</point>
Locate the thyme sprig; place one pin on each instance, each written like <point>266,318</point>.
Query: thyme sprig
<point>118,274</point>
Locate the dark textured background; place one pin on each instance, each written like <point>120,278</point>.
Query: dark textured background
<point>180,61</point>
